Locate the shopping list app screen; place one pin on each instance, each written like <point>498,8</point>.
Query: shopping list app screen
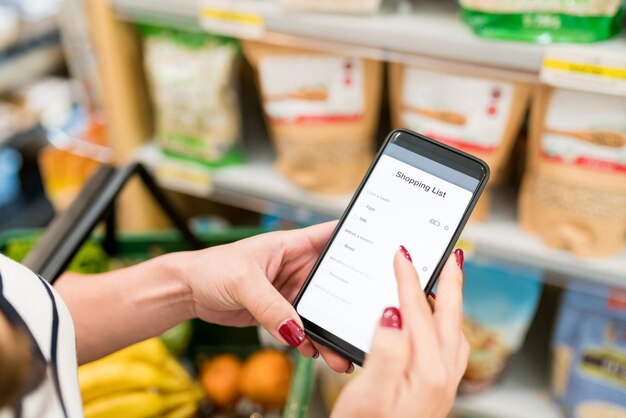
<point>408,200</point>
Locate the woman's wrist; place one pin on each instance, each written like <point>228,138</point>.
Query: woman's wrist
<point>171,276</point>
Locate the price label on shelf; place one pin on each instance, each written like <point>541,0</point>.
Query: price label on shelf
<point>236,18</point>
<point>189,178</point>
<point>590,68</point>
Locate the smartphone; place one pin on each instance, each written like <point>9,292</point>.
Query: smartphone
<point>417,193</point>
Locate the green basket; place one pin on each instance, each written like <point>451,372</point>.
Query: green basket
<point>207,338</point>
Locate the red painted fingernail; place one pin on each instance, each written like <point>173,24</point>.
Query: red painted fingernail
<point>350,368</point>
<point>292,333</point>
<point>460,257</point>
<point>391,318</point>
<point>316,354</point>
<point>432,295</point>
<point>405,253</point>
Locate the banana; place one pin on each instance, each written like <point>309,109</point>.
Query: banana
<point>101,378</point>
<point>186,410</point>
<point>127,405</point>
<point>151,350</point>
<point>140,404</point>
<point>172,367</point>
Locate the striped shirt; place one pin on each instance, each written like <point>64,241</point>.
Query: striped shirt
<point>30,303</point>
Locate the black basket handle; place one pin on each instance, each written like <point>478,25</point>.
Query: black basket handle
<point>69,231</point>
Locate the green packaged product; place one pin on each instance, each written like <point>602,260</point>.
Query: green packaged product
<point>192,76</point>
<point>544,21</point>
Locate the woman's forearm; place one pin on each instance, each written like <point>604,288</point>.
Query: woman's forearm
<point>115,309</point>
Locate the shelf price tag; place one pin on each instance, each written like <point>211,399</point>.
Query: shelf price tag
<point>186,177</point>
<point>236,18</point>
<point>591,68</point>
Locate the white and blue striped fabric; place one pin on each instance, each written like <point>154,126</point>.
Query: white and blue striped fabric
<point>30,303</point>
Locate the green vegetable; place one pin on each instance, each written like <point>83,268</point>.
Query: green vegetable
<point>177,338</point>
<point>90,259</point>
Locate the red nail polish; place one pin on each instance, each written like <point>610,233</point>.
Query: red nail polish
<point>460,257</point>
<point>292,333</point>
<point>432,295</point>
<point>316,354</point>
<point>391,318</point>
<point>405,253</point>
<point>350,368</point>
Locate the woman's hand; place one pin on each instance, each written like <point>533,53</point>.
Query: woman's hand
<point>255,281</point>
<point>248,282</point>
<point>418,354</point>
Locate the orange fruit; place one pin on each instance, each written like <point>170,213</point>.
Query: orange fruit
<point>265,378</point>
<point>219,378</point>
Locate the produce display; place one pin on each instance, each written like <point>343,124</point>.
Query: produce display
<point>196,107</point>
<point>321,112</point>
<point>589,352</point>
<point>90,259</point>
<point>478,115</point>
<point>192,370</point>
<point>574,191</point>
<point>143,380</point>
<point>259,384</point>
<point>544,21</point>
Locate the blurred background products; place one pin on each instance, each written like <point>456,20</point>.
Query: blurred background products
<point>321,111</point>
<point>334,6</point>
<point>499,303</point>
<point>574,193</point>
<point>589,352</point>
<point>544,22</point>
<point>192,82</point>
<point>10,165</point>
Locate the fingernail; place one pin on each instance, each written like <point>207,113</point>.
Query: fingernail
<point>350,368</point>
<point>292,333</point>
<point>391,318</point>
<point>432,295</point>
<point>316,354</point>
<point>460,257</point>
<point>405,253</point>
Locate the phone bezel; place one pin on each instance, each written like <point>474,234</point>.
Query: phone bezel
<point>465,163</point>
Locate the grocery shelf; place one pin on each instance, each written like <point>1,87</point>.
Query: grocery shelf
<point>28,65</point>
<point>430,33</point>
<point>522,393</point>
<point>258,186</point>
<point>37,51</point>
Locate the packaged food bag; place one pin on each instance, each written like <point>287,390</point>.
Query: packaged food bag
<point>544,21</point>
<point>321,111</point>
<point>574,192</point>
<point>499,303</point>
<point>478,115</point>
<point>589,352</point>
<point>333,6</point>
<point>192,83</point>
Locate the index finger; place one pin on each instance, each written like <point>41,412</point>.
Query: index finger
<point>449,307</point>
<point>416,312</point>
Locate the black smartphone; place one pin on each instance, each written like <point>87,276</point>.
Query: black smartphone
<point>417,193</point>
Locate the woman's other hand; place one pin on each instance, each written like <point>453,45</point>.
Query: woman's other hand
<point>255,281</point>
<point>418,354</point>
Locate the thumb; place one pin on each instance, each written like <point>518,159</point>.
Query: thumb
<point>274,313</point>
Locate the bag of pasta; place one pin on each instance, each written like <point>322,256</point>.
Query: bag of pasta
<point>321,111</point>
<point>544,21</point>
<point>574,192</point>
<point>192,82</point>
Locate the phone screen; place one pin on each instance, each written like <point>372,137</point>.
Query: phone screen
<point>408,199</point>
